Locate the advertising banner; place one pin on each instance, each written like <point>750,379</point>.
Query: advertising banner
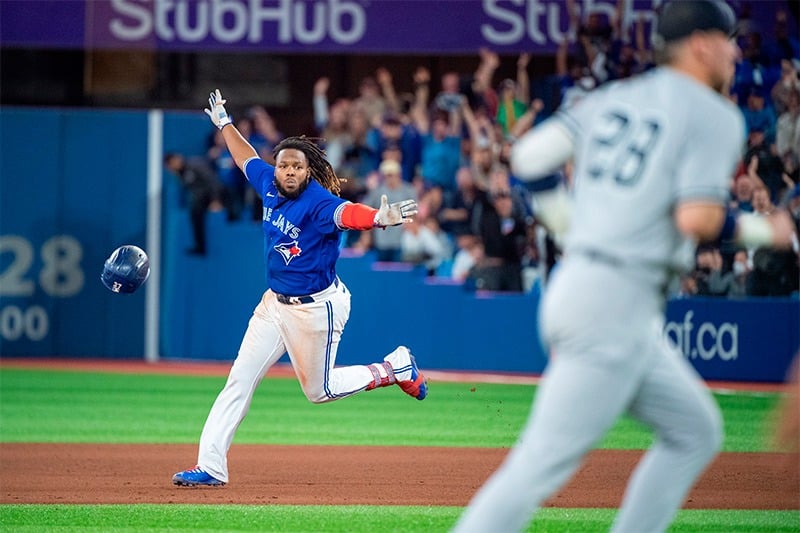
<point>332,26</point>
<point>739,340</point>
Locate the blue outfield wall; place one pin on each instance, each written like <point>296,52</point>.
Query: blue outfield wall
<point>73,187</point>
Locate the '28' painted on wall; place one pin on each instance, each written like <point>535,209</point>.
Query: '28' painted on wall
<point>60,276</point>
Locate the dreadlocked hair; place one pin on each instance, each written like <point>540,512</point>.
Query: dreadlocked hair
<point>321,169</point>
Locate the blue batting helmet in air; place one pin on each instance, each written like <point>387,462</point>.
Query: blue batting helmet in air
<point>126,269</point>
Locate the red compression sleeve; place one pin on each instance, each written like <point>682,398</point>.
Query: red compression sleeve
<point>358,216</point>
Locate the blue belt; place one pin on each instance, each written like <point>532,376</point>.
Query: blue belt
<point>297,300</point>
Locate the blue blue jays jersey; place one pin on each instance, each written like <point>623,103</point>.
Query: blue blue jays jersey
<point>301,237</point>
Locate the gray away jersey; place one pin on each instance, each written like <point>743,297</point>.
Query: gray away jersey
<point>642,146</point>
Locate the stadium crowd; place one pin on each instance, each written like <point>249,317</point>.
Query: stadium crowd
<point>447,144</point>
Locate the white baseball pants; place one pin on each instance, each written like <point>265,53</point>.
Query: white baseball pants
<point>609,357</point>
<point>310,333</point>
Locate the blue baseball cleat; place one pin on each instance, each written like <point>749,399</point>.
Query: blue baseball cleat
<point>196,476</point>
<point>407,374</point>
<point>417,386</point>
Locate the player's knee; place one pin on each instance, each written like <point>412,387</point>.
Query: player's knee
<point>318,396</point>
<point>703,435</point>
<point>715,433</point>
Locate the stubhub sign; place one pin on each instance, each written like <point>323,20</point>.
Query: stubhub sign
<point>752,339</point>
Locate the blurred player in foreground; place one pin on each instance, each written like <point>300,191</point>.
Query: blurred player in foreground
<point>653,156</point>
<point>786,435</point>
<point>305,308</point>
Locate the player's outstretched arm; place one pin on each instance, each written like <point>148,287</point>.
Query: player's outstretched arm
<point>535,157</point>
<point>542,151</point>
<point>706,222</point>
<point>240,149</point>
<point>363,217</point>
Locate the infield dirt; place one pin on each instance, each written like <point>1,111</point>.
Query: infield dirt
<point>359,475</point>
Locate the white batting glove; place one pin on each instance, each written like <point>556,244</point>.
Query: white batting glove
<point>396,213</point>
<point>217,112</point>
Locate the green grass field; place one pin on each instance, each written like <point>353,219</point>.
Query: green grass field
<point>74,407</point>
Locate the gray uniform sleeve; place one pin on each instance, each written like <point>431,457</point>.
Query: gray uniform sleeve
<point>709,157</point>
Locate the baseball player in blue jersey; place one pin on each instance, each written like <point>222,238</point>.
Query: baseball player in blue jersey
<point>306,306</point>
<point>653,156</point>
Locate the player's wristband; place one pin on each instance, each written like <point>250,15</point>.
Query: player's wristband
<point>358,216</point>
<point>544,184</point>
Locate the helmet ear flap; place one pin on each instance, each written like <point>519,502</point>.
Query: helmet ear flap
<point>126,269</point>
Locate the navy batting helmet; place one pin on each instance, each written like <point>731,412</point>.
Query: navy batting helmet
<point>126,269</point>
<point>680,18</point>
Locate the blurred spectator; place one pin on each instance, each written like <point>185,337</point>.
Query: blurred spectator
<point>784,44</point>
<point>501,179</point>
<point>480,129</point>
<point>741,201</point>
<point>392,133</point>
<point>742,193</point>
<point>440,134</point>
<point>514,96</point>
<point>786,85</point>
<point>482,160</point>
<point>526,121</point>
<point>391,101</point>
<point>775,272</point>
<point>481,96</point>
<point>787,133</point>
<point>456,212</point>
<point>626,58</point>
<point>265,135</point>
<point>753,71</point>
<point>710,277</point>
<point>687,285</point>
<point>422,244</point>
<point>469,254</point>
<point>763,164</point>
<point>360,158</point>
<point>233,181</point>
<point>387,243</point>
<point>430,201</point>
<point>332,124</point>
<point>502,229</point>
<point>203,190</point>
<point>758,116</point>
<point>594,33</point>
<point>762,202</point>
<point>573,76</point>
<point>370,101</point>
<point>534,260</point>
<point>448,99</point>
<point>740,269</point>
